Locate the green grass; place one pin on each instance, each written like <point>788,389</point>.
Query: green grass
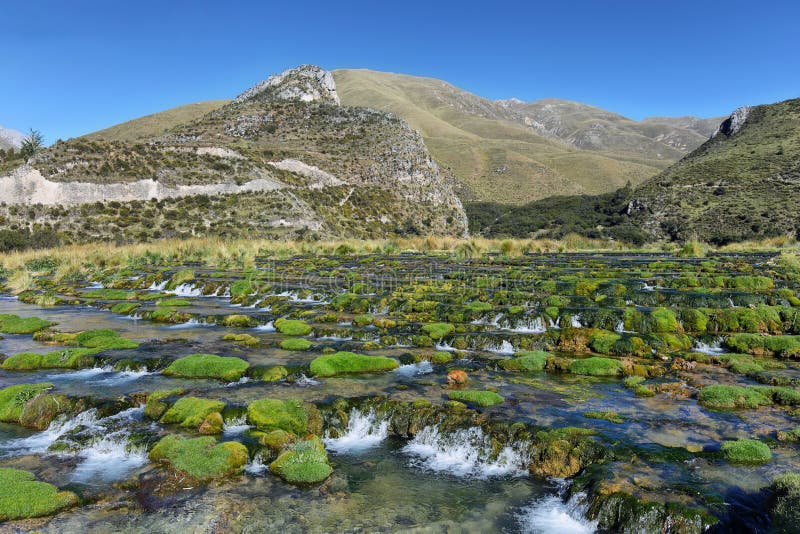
<point>349,362</point>
<point>525,361</point>
<point>293,327</point>
<point>208,366</point>
<point>596,366</point>
<point>476,397</point>
<point>785,503</point>
<point>202,458</point>
<point>303,462</point>
<point>14,398</point>
<point>274,414</point>
<point>746,452</point>
<point>190,412</point>
<point>22,496</point>
<point>13,324</point>
<point>296,344</point>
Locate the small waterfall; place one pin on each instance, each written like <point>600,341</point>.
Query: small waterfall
<point>187,290</point>
<point>551,515</point>
<point>535,326</point>
<point>715,347</point>
<point>333,338</point>
<point>108,459</point>
<point>364,431</point>
<point>158,287</point>
<point>256,466</point>
<point>415,369</point>
<point>505,348</point>
<point>83,374</point>
<point>236,426</point>
<point>121,377</point>
<point>95,285</point>
<point>575,321</point>
<point>191,323</point>
<point>620,328</point>
<point>40,442</point>
<point>305,381</point>
<point>268,327</point>
<point>445,346</point>
<point>731,304</point>
<point>243,380</point>
<point>465,453</point>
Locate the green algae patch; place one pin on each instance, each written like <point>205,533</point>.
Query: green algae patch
<point>201,458</point>
<point>611,417</point>
<point>14,398</point>
<point>273,414</point>
<point>190,412</point>
<point>596,366</point>
<point>303,462</point>
<point>292,327</point>
<point>476,397</point>
<point>208,366</point>
<point>60,359</point>
<point>437,331</point>
<point>13,324</point>
<point>525,362</point>
<point>350,362</point>
<point>746,452</point>
<point>295,344</point>
<point>721,397</point>
<point>23,497</point>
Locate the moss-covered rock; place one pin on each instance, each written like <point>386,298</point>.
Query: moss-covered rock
<point>23,497</point>
<point>239,321</point>
<point>525,361</point>
<point>13,324</point>
<point>61,359</point>
<point>272,414</point>
<point>349,362</point>
<point>476,397</point>
<point>190,412</point>
<point>746,452</point>
<point>241,339</point>
<point>596,366</point>
<point>298,344</point>
<point>208,366</point>
<point>270,374</point>
<point>292,327</point>
<point>14,398</point>
<point>303,462</point>
<point>201,458</point>
<point>437,331</point>
<point>156,403</point>
<point>722,397</point>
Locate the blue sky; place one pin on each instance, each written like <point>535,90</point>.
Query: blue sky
<point>69,68</point>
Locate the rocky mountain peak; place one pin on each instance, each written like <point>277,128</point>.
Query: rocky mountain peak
<point>734,123</point>
<point>510,102</point>
<point>307,83</point>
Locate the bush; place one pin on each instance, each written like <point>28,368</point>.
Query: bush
<point>746,452</point>
<point>348,362</point>
<point>476,397</point>
<point>208,366</point>
<point>22,496</point>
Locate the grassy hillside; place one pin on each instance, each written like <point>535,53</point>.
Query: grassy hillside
<point>482,143</point>
<point>157,123</point>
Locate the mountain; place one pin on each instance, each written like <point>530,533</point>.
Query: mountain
<point>10,138</point>
<point>512,152</point>
<point>741,184</point>
<point>284,158</point>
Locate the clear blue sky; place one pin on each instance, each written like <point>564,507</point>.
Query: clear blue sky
<point>71,67</point>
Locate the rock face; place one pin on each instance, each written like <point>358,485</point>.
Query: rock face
<point>10,138</point>
<point>307,83</point>
<point>734,123</point>
<point>284,159</point>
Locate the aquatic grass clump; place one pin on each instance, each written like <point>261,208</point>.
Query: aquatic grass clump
<point>784,503</point>
<point>61,359</point>
<point>437,331</point>
<point>303,462</point>
<point>273,414</point>
<point>295,344</point>
<point>190,412</point>
<point>14,324</point>
<point>722,397</point>
<point>104,339</point>
<point>476,397</point>
<point>350,362</point>
<point>23,497</point>
<point>110,294</point>
<point>241,339</point>
<point>14,398</point>
<point>525,362</point>
<point>201,458</point>
<point>596,366</point>
<point>611,417</point>
<point>292,327</point>
<point>173,302</point>
<point>208,366</point>
<point>746,452</point>
<point>124,308</point>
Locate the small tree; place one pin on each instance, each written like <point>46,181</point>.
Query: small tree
<point>32,143</point>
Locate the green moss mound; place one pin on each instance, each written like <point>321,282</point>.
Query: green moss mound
<point>104,339</point>
<point>303,462</point>
<point>202,458</point>
<point>349,362</point>
<point>14,398</point>
<point>746,452</point>
<point>174,302</point>
<point>60,359</point>
<point>476,397</point>
<point>241,339</point>
<point>784,504</point>
<point>295,344</point>
<point>292,327</point>
<point>22,496</point>
<point>273,414</point>
<point>721,397</point>
<point>190,412</point>
<point>208,366</point>
<point>596,366</point>
<point>438,330</point>
<point>155,406</point>
<point>13,324</point>
<point>124,308</point>
<point>525,361</point>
